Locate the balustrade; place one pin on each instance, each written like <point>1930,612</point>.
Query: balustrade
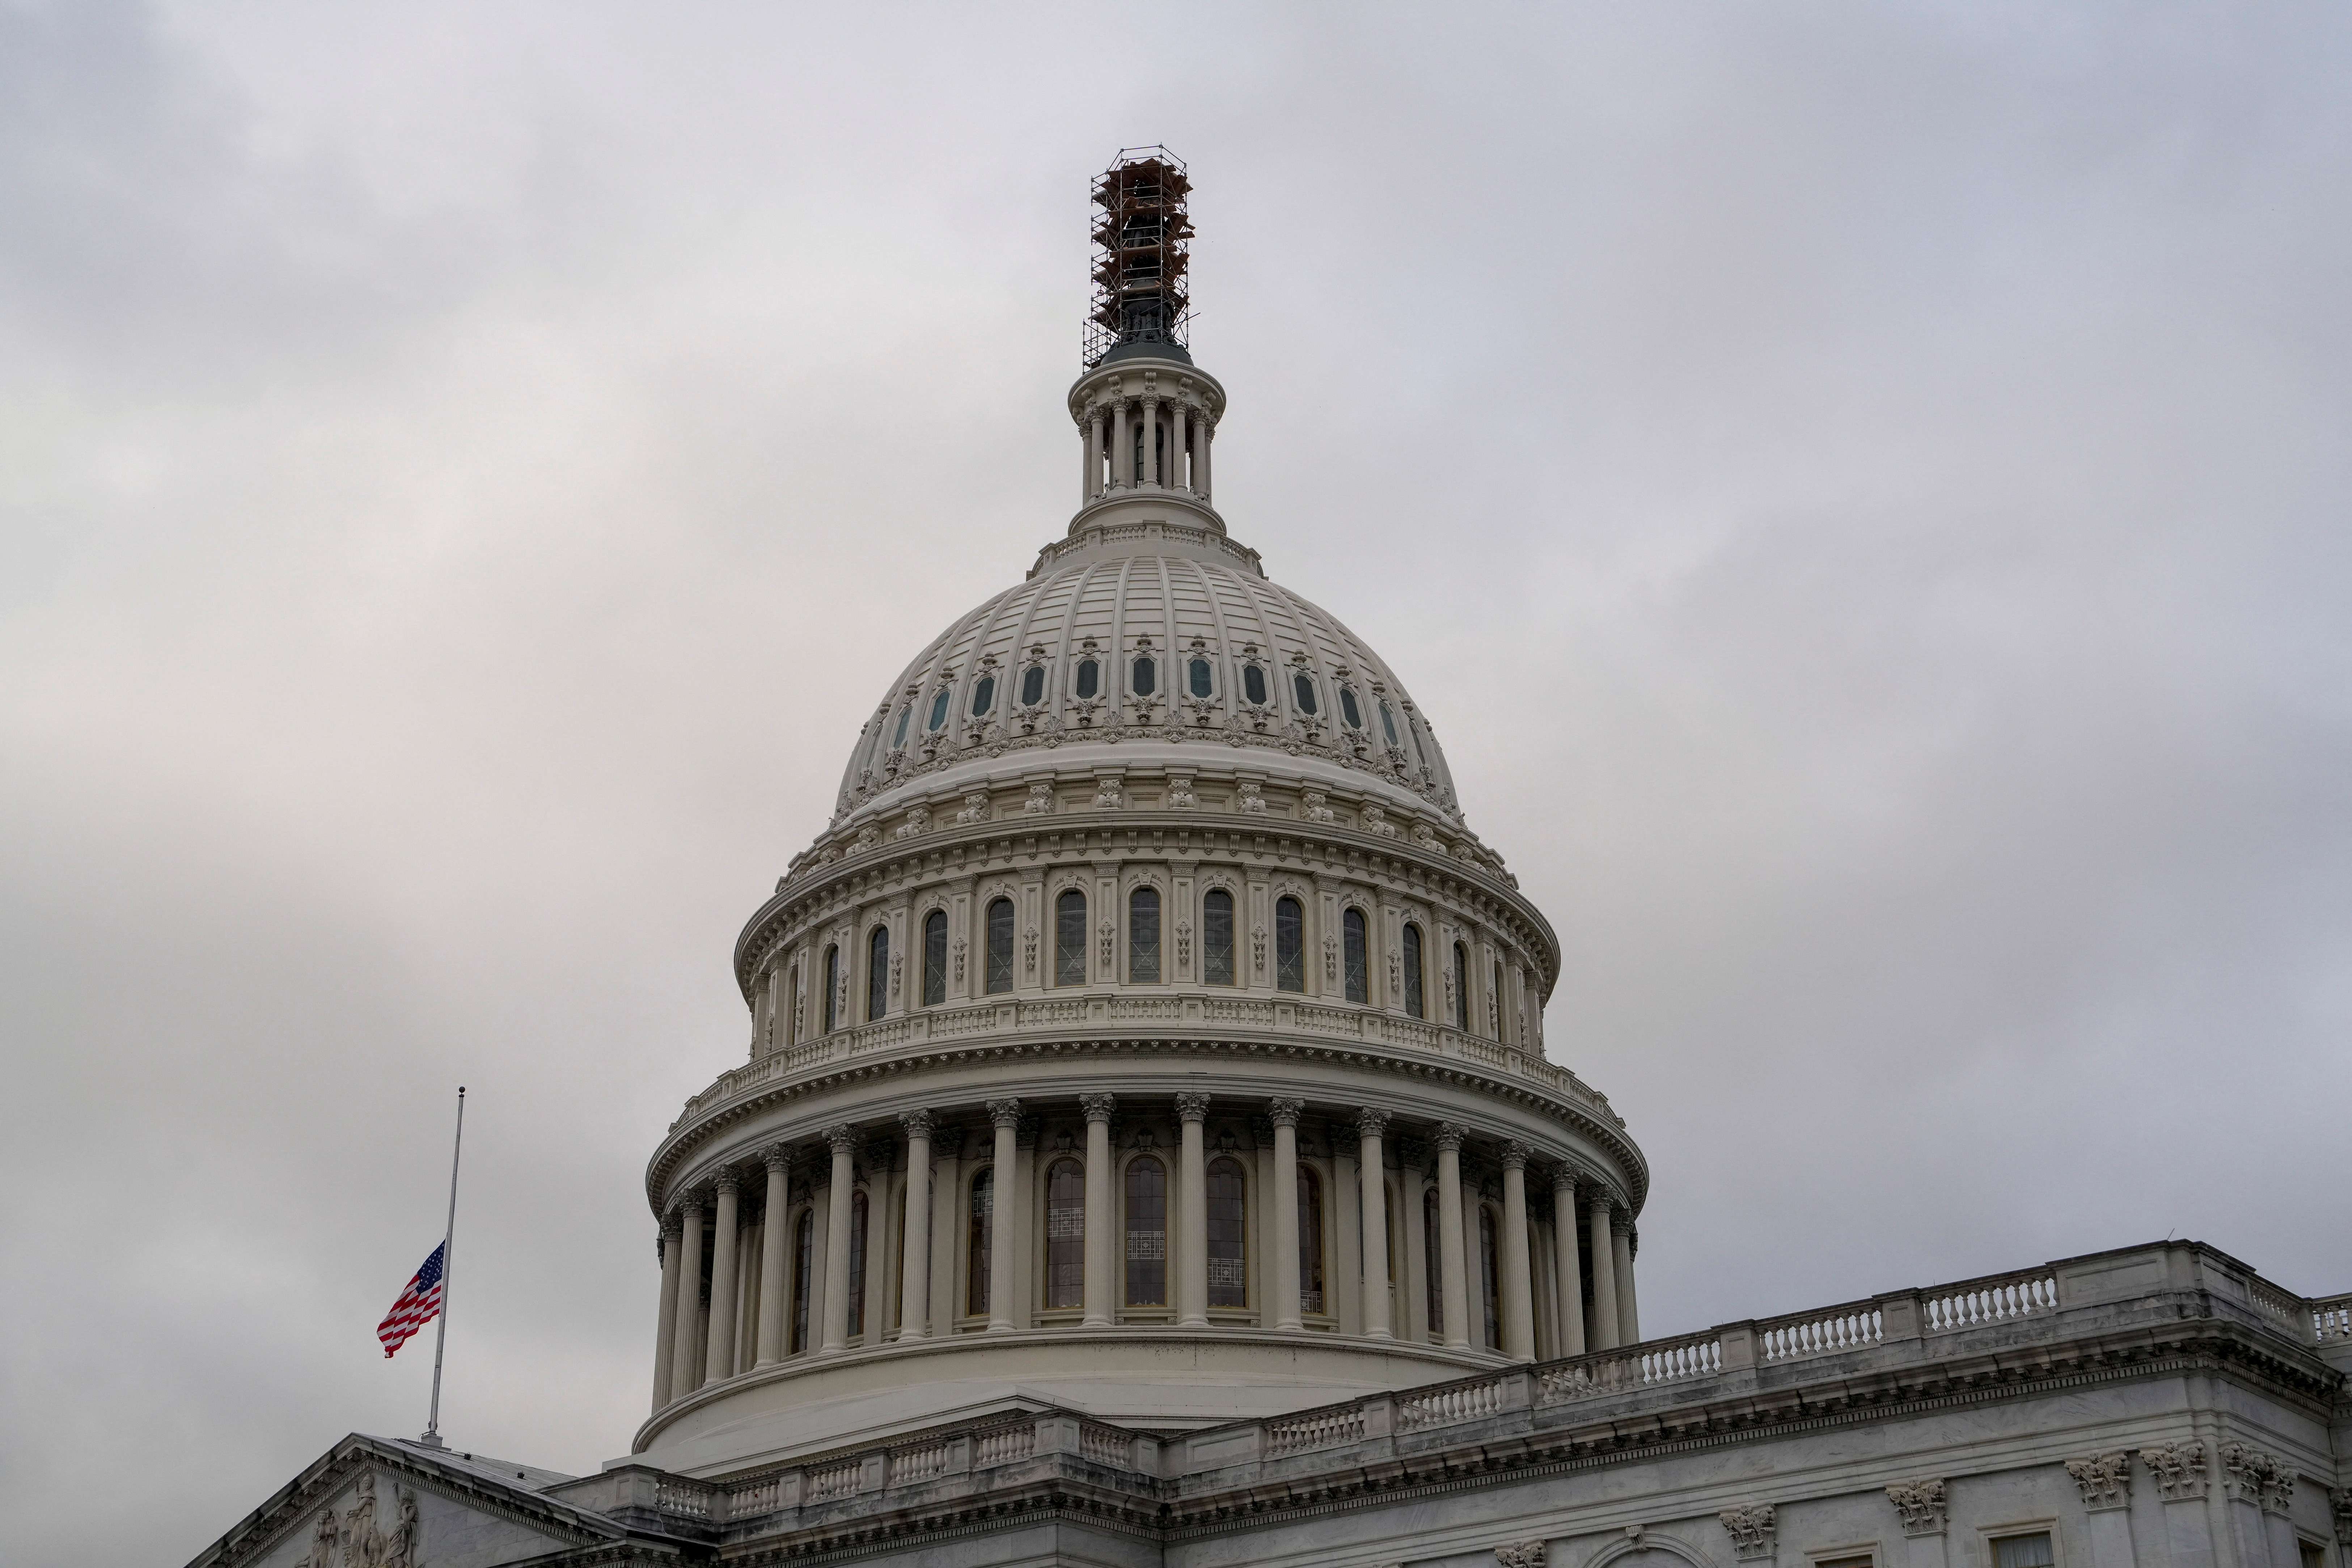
<point>2331,1319</point>
<point>1315,1429</point>
<point>1822,1332</point>
<point>1993,1300</point>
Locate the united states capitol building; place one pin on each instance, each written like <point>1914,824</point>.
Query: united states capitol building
<point>1148,1152</point>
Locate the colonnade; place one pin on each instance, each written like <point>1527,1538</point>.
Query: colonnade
<point>1170,430</point>
<point>696,1346</point>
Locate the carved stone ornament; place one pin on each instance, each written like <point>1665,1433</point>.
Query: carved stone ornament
<point>325,1536</point>
<point>2340,1503</point>
<point>1041,799</point>
<point>1372,1123</point>
<point>1184,946</point>
<point>919,821</point>
<point>1257,946</point>
<point>1191,1108</point>
<point>1005,1113</point>
<point>2255,1477</point>
<point>1752,1528</point>
<point>975,807</point>
<point>1097,1107</point>
<point>727,1179</point>
<point>1515,1155</point>
<point>1029,948</point>
<point>1376,823</point>
<point>400,1542</point>
<point>1449,1135</point>
<point>843,1138</point>
<point>1519,1555</point>
<point>1180,792</point>
<point>917,1124</point>
<point>957,948</point>
<point>2104,1479</point>
<point>1314,806</point>
<point>1284,1112</point>
<point>897,971</point>
<point>1924,1509</point>
<point>1246,799</point>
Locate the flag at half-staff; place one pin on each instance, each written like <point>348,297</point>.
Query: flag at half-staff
<point>420,1299</point>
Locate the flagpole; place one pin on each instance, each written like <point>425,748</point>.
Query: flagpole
<point>432,1438</point>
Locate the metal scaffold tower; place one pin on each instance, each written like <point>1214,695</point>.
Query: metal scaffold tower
<point>1142,238</point>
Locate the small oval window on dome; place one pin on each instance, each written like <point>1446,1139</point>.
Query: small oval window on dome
<point>1147,677</point>
<point>1303,686</point>
<point>939,709</point>
<point>984,695</point>
<point>1198,677</point>
<point>1090,677</point>
<point>899,737</point>
<point>1348,709</point>
<point>1387,724</point>
<point>1253,686</point>
<point>1032,687</point>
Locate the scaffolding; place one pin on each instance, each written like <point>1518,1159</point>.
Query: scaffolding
<point>1142,238</point>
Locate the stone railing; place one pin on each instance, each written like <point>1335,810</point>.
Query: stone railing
<point>2331,1319</point>
<point>1824,1331</point>
<point>1995,1299</point>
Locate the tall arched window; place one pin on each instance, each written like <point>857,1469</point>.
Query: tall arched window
<point>940,703</point>
<point>1460,987</point>
<point>1070,938</point>
<point>1310,1241</point>
<point>1199,679</point>
<point>1146,1232</point>
<point>1348,709</point>
<point>832,984</point>
<point>1228,1235</point>
<point>1090,677</point>
<point>975,1283</point>
<point>1489,1289</point>
<point>1352,961</point>
<point>1290,945</point>
<point>1144,677</point>
<point>878,972</point>
<point>1217,938</point>
<point>1413,993</point>
<point>1253,683</point>
<point>856,1264</point>
<point>1302,687</point>
<point>1432,1269</point>
<point>984,695</point>
<point>934,958</point>
<point>1495,1003</point>
<point>999,945</point>
<point>899,736</point>
<point>1143,936</point>
<point>1388,724</point>
<point>803,1259</point>
<point>1033,686</point>
<point>1066,1234</point>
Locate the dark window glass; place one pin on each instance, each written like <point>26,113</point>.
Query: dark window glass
<point>1147,1233</point>
<point>1352,956</point>
<point>832,984</point>
<point>1090,677</point>
<point>984,695</point>
<point>1487,1286</point>
<point>1310,1241</point>
<point>1253,683</point>
<point>1302,685</point>
<point>1348,709</point>
<point>934,958</point>
<point>803,1259</point>
<point>1494,999</point>
<point>1432,1247</point>
<point>1066,1234</point>
<point>1290,945</point>
<point>984,1201</point>
<point>1146,678</point>
<point>1413,999</point>
<point>1000,946</point>
<point>1070,939</point>
<point>1033,686</point>
<point>2023,1550</point>
<point>856,1264</point>
<point>1143,936</point>
<point>1199,675</point>
<point>1217,939</point>
<point>1387,724</point>
<point>899,737</point>
<point>878,973</point>
<point>1461,986</point>
<point>939,709</point>
<point>1228,1234</point>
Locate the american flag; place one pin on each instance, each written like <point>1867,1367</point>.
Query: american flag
<point>419,1299</point>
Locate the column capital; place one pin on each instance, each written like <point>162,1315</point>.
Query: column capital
<point>1284,1112</point>
<point>1515,1155</point>
<point>2181,1470</point>
<point>777,1157</point>
<point>672,1225</point>
<point>2105,1480</point>
<point>1099,1106</point>
<point>1923,1505</point>
<point>1004,1113</point>
<point>694,1201</point>
<point>727,1179</point>
<point>1191,1107</point>
<point>1621,1220</point>
<point>1372,1122</point>
<point>917,1124</point>
<point>1449,1135</point>
<point>842,1137</point>
<point>1563,1180</point>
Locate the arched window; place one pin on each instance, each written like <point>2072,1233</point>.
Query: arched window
<point>1488,1289</point>
<point>1310,1241</point>
<point>1089,680</point>
<point>1228,1235</point>
<point>1433,1269</point>
<point>1066,1234</point>
<point>899,736</point>
<point>939,708</point>
<point>975,1282</point>
<point>1033,686</point>
<point>1353,715</point>
<point>1461,986</point>
<point>1412,996</point>
<point>984,695</point>
<point>803,1259</point>
<point>878,972</point>
<point>1253,683</point>
<point>1201,678</point>
<point>1351,959</point>
<point>1070,938</point>
<point>1388,724</point>
<point>1145,676</point>
<point>1302,687</point>
<point>999,945</point>
<point>1495,1002</point>
<point>1143,937</point>
<point>1146,1232</point>
<point>832,984</point>
<point>856,1264</point>
<point>1290,945</point>
<point>1217,938</point>
<point>934,958</point>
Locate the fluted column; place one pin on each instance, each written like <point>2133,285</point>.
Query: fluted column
<point>1092,444</point>
<point>1518,1280</point>
<point>1604,1272</point>
<point>688,1314</point>
<point>666,1313</point>
<point>1122,449</point>
<point>1152,440</point>
<point>718,1362</point>
<point>1453,1279</point>
<point>1570,1287</point>
<point>1284,1201</point>
<point>776,1242</point>
<point>915,1247</point>
<point>1193,1214</point>
<point>1100,1228</point>
<point>1629,1321</point>
<point>1176,413</point>
<point>1201,458</point>
<point>844,1139</point>
<point>1372,1183</point>
<point>1003,1201</point>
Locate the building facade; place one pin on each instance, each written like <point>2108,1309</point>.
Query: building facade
<point>1148,1152</point>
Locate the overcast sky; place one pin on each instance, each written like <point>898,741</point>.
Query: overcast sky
<point>1861,491</point>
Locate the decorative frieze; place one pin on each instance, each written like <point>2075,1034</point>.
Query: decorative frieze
<point>2105,1480</point>
<point>1921,1505</point>
<point>1519,1555</point>
<point>1752,1528</point>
